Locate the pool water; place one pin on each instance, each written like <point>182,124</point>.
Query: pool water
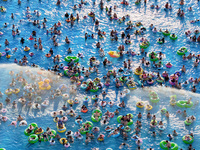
<point>15,139</point>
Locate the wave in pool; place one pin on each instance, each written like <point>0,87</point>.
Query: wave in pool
<point>15,138</point>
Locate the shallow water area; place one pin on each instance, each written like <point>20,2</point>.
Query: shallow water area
<point>15,138</point>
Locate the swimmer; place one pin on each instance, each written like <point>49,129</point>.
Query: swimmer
<point>19,118</point>
<point>13,123</point>
<point>116,112</point>
<point>148,115</point>
<point>64,108</point>
<point>139,115</point>
<point>183,69</point>
<point>194,89</point>
<point>175,133</point>
<point>168,145</point>
<point>170,137</point>
<point>189,101</point>
<point>154,134</point>
<point>184,113</point>
<point>122,145</point>
<point>167,114</point>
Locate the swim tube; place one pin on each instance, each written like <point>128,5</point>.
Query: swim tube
<point>182,51</point>
<point>149,107</point>
<point>63,141</point>
<point>153,59</point>
<point>166,33</point>
<point>119,120</point>
<point>173,38</point>
<point>61,130</point>
<point>137,72</point>
<point>144,45</point>
<point>114,54</point>
<point>183,103</point>
<point>33,138</point>
<point>27,49</point>
<point>154,97</point>
<point>140,106</point>
<point>188,141</point>
<point>90,128</point>
<point>163,143</point>
<point>68,58</point>
<point>99,118</point>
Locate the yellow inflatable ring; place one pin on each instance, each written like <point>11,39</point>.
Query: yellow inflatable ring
<point>138,73</point>
<point>8,92</point>
<point>61,130</point>
<point>39,132</point>
<point>149,107</point>
<point>70,102</point>
<point>16,91</point>
<point>8,56</point>
<point>54,119</point>
<point>26,50</point>
<point>61,141</point>
<point>140,106</point>
<point>114,54</point>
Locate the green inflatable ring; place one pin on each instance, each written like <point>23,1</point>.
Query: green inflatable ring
<point>32,132</point>
<point>188,142</point>
<point>93,118</point>
<point>182,51</point>
<point>163,110</point>
<point>160,42</point>
<point>173,38</point>
<point>2,149</point>
<point>166,34</point>
<point>145,45</point>
<point>120,79</point>
<point>131,115</point>
<point>187,123</point>
<point>66,73</point>
<point>42,139</point>
<point>160,81</point>
<point>152,122</point>
<point>94,90</point>
<point>26,133</point>
<point>119,120</point>
<point>154,97</point>
<point>54,133</point>
<point>183,104</point>
<point>127,129</point>
<point>111,72</point>
<point>90,128</point>
<point>154,100</point>
<point>35,138</point>
<point>68,58</point>
<point>153,94</point>
<point>155,54</point>
<point>130,122</point>
<point>163,143</point>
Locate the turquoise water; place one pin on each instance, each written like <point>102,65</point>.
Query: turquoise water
<point>160,19</point>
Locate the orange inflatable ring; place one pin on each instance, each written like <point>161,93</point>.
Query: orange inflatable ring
<point>48,55</point>
<point>67,20</point>
<point>84,111</point>
<point>31,38</point>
